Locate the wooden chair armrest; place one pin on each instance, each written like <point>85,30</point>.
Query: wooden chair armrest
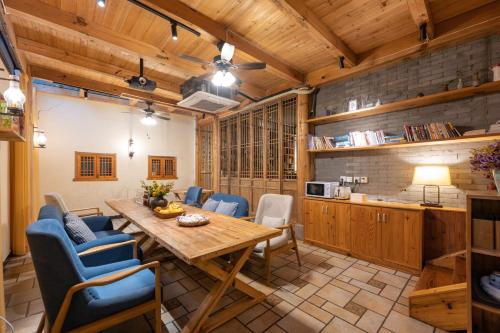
<point>63,311</point>
<point>247,218</point>
<point>285,226</point>
<point>97,211</point>
<point>106,247</point>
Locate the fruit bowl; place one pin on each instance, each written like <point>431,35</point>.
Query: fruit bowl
<point>171,211</point>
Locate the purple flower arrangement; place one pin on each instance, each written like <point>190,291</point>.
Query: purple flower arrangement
<point>486,159</point>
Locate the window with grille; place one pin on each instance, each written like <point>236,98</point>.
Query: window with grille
<point>245,145</point>
<point>206,137</point>
<point>272,157</point>
<point>162,167</point>
<point>258,143</point>
<point>289,138</point>
<point>233,146</point>
<point>95,166</point>
<point>224,149</point>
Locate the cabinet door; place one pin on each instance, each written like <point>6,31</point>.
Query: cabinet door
<point>365,231</point>
<point>402,237</point>
<point>338,221</point>
<point>313,220</point>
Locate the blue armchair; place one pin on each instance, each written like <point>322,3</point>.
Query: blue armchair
<point>88,298</point>
<point>193,196</point>
<point>241,210</point>
<point>115,245</point>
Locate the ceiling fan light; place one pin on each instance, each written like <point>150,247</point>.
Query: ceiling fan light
<point>148,120</point>
<point>218,78</point>
<point>228,79</point>
<point>227,51</point>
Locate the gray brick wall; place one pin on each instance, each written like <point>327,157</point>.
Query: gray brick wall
<point>390,171</point>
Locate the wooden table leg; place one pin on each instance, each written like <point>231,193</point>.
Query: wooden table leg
<point>196,323</point>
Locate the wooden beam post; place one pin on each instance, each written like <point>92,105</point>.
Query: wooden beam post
<point>421,13</point>
<point>304,161</point>
<point>317,28</point>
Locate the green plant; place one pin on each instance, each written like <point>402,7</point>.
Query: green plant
<point>157,190</point>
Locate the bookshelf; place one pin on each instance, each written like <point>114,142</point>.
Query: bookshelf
<point>441,97</point>
<point>483,257</point>
<point>462,139</point>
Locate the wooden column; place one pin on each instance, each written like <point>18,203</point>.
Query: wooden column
<point>2,296</point>
<point>305,167</point>
<point>197,149</point>
<point>216,155</point>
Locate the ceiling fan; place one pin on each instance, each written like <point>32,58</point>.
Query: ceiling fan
<point>223,65</point>
<point>150,115</point>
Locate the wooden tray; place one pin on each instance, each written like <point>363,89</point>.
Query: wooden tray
<point>167,216</point>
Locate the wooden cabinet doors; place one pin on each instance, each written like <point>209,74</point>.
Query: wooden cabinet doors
<point>313,220</point>
<point>338,221</point>
<point>402,237</point>
<point>365,231</point>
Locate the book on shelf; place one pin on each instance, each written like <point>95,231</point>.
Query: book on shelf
<point>353,139</point>
<point>431,131</point>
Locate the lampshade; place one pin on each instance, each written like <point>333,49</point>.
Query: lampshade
<point>432,175</point>
<point>14,97</point>
<point>148,120</point>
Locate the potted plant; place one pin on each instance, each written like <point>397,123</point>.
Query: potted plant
<point>157,192</point>
<point>487,160</point>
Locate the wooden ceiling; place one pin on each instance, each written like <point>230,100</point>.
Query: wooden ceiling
<point>300,40</point>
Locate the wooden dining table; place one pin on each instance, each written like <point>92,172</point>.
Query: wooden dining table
<point>202,247</point>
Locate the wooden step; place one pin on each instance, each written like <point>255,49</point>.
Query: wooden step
<point>433,277</point>
<point>447,260</point>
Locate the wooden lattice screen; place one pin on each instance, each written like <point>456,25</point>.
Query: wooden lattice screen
<point>224,148</point>
<point>258,143</point>
<point>205,163</point>
<point>233,146</point>
<point>245,145</point>
<point>289,138</point>
<point>272,156</point>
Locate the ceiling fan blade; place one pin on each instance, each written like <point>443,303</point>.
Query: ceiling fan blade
<point>194,59</point>
<point>161,117</point>
<point>251,66</point>
<point>227,51</point>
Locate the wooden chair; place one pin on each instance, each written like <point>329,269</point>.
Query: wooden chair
<point>55,199</point>
<point>274,211</point>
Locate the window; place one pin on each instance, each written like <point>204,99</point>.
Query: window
<point>162,167</point>
<point>95,166</point>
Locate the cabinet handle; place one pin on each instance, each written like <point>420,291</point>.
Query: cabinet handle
<point>384,217</point>
<point>326,209</point>
<point>378,216</point>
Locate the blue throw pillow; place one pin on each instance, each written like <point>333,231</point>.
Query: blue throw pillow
<point>77,229</point>
<point>227,208</point>
<point>210,205</point>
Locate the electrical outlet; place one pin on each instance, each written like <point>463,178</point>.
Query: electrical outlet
<point>363,180</point>
<point>357,180</point>
<point>349,179</point>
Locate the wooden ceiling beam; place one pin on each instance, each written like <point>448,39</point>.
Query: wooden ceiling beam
<point>421,13</point>
<point>191,16</point>
<point>33,47</point>
<point>317,28</point>
<point>478,22</point>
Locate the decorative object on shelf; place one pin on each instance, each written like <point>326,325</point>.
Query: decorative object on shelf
<point>14,96</point>
<point>352,105</point>
<point>476,81</point>
<point>420,94</point>
<point>192,220</point>
<point>157,193</point>
<point>432,176</point>
<point>169,212</point>
<point>496,72</point>
<point>39,138</point>
<point>460,81</point>
<point>131,148</point>
<point>486,159</point>
<point>431,131</point>
<point>491,285</point>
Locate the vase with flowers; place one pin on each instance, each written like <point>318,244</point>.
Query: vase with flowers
<point>486,159</point>
<point>157,192</point>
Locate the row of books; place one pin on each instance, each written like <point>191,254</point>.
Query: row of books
<point>431,131</point>
<point>353,139</point>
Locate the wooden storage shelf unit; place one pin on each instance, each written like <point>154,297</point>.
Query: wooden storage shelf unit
<point>483,258</point>
<point>442,97</point>
<point>462,139</point>
<point>7,134</point>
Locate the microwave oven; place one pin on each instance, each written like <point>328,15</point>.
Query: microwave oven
<point>321,189</point>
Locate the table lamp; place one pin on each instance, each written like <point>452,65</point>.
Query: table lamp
<point>431,175</point>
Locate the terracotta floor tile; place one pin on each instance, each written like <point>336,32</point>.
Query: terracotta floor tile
<point>402,324</point>
<point>16,312</point>
<point>286,273</point>
<point>338,325</point>
<point>373,302</point>
<point>358,274</point>
<point>192,299</point>
<point>391,292</point>
<point>344,278</point>
<point>316,312</point>
<point>365,268</point>
<point>252,313</point>
<point>345,286</point>
<point>382,268</point>
<point>376,284</point>
<point>370,321</point>
<point>315,278</point>
<point>335,295</point>
<point>403,309</point>
<point>298,321</point>
<point>283,308</point>
<point>273,300</point>
<point>289,297</point>
<point>28,324</point>
<point>355,308</point>
<point>337,262</point>
<point>334,271</point>
<point>275,329</point>
<point>188,283</point>
<point>313,259</point>
<point>365,286</point>
<point>340,312</point>
<point>173,314</point>
<point>403,274</point>
<point>232,326</point>
<point>307,291</point>
<point>24,296</point>
<point>35,307</point>
<point>316,300</point>
<point>262,287</point>
<point>393,280</point>
<point>263,322</point>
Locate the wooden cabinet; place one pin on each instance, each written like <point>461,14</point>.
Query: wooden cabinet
<point>365,231</point>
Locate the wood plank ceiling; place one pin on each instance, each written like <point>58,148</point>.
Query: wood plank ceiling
<point>300,41</point>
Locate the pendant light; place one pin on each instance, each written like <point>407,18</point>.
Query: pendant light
<point>148,120</point>
<point>14,97</point>
<point>131,148</point>
<point>39,138</point>
<point>223,79</point>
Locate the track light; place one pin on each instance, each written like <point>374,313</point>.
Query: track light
<point>101,3</point>
<point>174,30</point>
<point>341,62</point>
<point>424,36</point>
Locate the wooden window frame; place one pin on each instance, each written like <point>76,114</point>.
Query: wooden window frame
<point>96,176</point>
<point>162,167</point>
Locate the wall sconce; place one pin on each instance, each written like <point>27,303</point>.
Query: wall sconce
<point>14,96</point>
<point>131,148</point>
<point>39,138</point>
<point>434,176</point>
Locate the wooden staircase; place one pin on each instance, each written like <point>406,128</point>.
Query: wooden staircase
<point>439,298</point>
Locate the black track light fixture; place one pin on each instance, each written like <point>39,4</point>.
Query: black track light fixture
<point>173,26</point>
<point>341,62</point>
<point>424,36</point>
<point>101,3</point>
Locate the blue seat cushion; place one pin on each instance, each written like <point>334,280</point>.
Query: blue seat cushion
<point>242,209</point>
<point>107,233</point>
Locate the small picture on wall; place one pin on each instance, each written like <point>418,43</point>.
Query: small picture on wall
<point>353,105</point>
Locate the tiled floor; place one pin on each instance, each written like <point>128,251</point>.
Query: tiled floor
<point>329,293</point>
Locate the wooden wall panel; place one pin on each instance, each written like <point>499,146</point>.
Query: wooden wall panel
<point>444,232</point>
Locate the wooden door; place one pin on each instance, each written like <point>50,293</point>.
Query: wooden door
<point>314,220</point>
<point>365,231</point>
<point>402,237</point>
<point>338,221</point>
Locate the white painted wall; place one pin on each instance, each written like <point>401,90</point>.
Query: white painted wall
<point>74,124</point>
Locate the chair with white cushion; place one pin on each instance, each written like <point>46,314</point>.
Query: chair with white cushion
<point>274,211</point>
<point>55,199</point>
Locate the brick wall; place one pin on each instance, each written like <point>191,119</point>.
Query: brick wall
<point>390,171</point>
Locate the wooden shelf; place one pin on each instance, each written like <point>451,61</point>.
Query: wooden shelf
<point>7,134</point>
<point>492,253</point>
<point>486,307</point>
<point>462,139</point>
<point>442,97</point>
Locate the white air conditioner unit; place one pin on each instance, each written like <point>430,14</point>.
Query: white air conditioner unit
<point>204,101</point>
